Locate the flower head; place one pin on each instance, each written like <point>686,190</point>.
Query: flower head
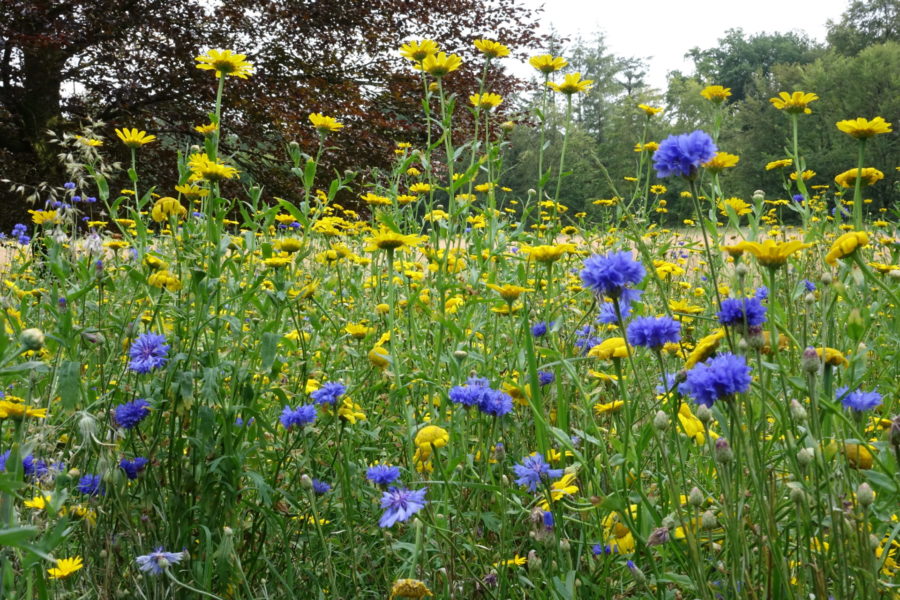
<point>324,125</point>
<point>418,50</point>
<point>134,467</point>
<point>572,84</point>
<point>387,239</point>
<point>654,332</point>
<point>795,103</point>
<point>65,567</point>
<point>547,63</point>
<point>491,49</point>
<point>870,176</point>
<point>716,93</point>
<point>148,352</point>
<point>861,128</point>
<point>721,161</point>
<point>166,207</point>
<point>485,101</point>
<point>683,154</point>
<point>128,415</point>
<point>134,138</point>
<point>533,471</point>
<point>409,588</point>
<point>158,561</point>
<point>609,274</point>
<point>740,312</point>
<point>771,253</point>
<point>204,168</point>
<point>298,417</point>
<point>383,474</point>
<point>225,63</point>
<point>858,400</point>
<point>719,378</point>
<point>92,485</point>
<point>440,64</point>
<point>846,245</point>
<point>329,393</point>
<point>650,110</point>
<point>400,504</point>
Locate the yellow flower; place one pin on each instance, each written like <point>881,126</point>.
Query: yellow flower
<point>650,110</point>
<point>379,357</point>
<point>420,188</point>
<point>870,176</point>
<point>516,561</point>
<point>154,262</point>
<point>409,588</point>
<point>38,502</point>
<point>779,164</point>
<point>832,356</point>
<point>209,170</point>
<point>716,93</point>
<point>491,49</point>
<point>225,62</point>
<point>795,103</point>
<point>884,268</point>
<point>602,408</point>
<point>861,128</point>
<point>665,269</point>
<point>359,331</point>
<point>350,411</point>
<point>613,347</point>
<point>693,427</point>
<point>561,488</point>
<point>805,175</point>
<point>93,143</point>
<point>289,245</point>
<point>164,279</point>
<point>191,191</point>
<point>771,253</point>
<point>704,348</point>
<point>134,138</point>
<point>418,51</point>
<point>65,567</point>
<point>16,410</point>
<point>547,254</point>
<point>486,101</point>
<point>846,245</point>
<point>39,217</point>
<point>277,262</point>
<point>618,537</point>
<point>324,124</point>
<point>547,63</point>
<point>509,292</point>
<point>721,161</point>
<point>165,207</point>
<point>572,84</point>
<point>740,207</point>
<point>858,456</point>
<point>438,65</point>
<point>386,239</point>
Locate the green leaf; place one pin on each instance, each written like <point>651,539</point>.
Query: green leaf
<point>14,536</point>
<point>69,386</point>
<point>31,365</point>
<point>267,350</point>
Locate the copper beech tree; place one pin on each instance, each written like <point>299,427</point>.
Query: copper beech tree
<point>130,63</point>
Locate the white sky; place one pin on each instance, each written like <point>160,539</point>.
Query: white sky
<point>666,29</point>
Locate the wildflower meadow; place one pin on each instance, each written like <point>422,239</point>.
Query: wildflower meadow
<point>415,383</point>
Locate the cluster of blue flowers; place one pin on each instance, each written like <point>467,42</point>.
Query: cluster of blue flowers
<point>742,312</point>
<point>718,378</point>
<point>134,467</point>
<point>654,332</point>
<point>130,414</point>
<point>298,417</point>
<point>329,393</point>
<point>477,392</point>
<point>610,274</point>
<point>683,154</point>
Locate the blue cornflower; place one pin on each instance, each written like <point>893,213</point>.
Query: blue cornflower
<point>496,403</point>
<point>683,154</point>
<point>37,468</point>
<point>858,400</point>
<point>158,561</point>
<point>329,393</point>
<point>471,393</point>
<point>128,415</point>
<point>607,314</point>
<point>809,285</point>
<point>4,456</point>
<point>134,467</point>
<point>549,522</point>
<point>720,377</point>
<point>400,504</point>
<point>92,485</point>
<point>540,329</point>
<point>762,293</point>
<point>301,416</point>
<point>546,377</point>
<point>321,487</point>
<point>149,351</point>
<point>741,311</point>
<point>69,185</point>
<point>798,198</point>
<point>654,332</point>
<point>383,474</point>
<point>667,384</point>
<point>533,470</point>
<point>609,274</point>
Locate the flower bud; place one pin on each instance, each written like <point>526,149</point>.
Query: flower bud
<point>865,495</point>
<point>708,520</point>
<point>507,126</point>
<point>565,545</point>
<point>810,298</point>
<point>659,536</point>
<point>661,421</point>
<point>704,414</point>
<point>743,345</point>
<point>724,453</point>
<point>805,456</point>
<point>895,431</point>
<point>87,427</point>
<point>636,572</point>
<point>32,338</point>
<point>742,270</point>
<point>827,279</point>
<point>460,354</point>
<point>798,495</point>
<point>810,361</point>
<point>759,196</point>
<point>695,497</point>
<point>534,561</point>
<point>306,482</point>
<point>797,411</point>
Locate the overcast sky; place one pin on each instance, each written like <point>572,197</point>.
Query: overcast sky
<point>664,30</point>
